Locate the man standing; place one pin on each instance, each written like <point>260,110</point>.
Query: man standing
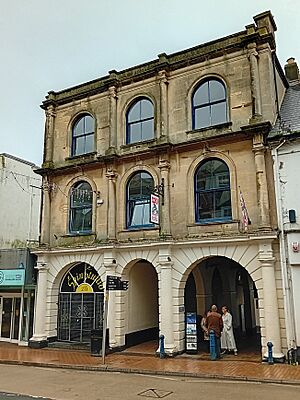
<point>214,322</point>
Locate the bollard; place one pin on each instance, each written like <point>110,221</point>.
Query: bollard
<point>212,345</point>
<point>162,346</point>
<point>270,353</point>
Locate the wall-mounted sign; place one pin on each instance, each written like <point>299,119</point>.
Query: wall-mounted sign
<point>82,278</point>
<point>295,247</point>
<point>115,283</point>
<point>154,209</point>
<point>12,277</point>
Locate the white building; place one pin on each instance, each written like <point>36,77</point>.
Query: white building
<point>20,196</point>
<point>285,142</point>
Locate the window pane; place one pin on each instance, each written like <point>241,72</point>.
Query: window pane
<point>89,124</point>
<point>146,184</point>
<point>148,129</point>
<point>147,110</point>
<point>81,220</point>
<point>79,127</point>
<point>140,213</point>
<point>135,186</point>
<point>218,113</point>
<point>89,143</point>
<point>216,91</point>
<point>134,114</point>
<point>213,174</point>
<point>135,132</point>
<point>79,145</point>
<point>205,206</point>
<point>223,204</point>
<point>201,95</point>
<point>202,117</point>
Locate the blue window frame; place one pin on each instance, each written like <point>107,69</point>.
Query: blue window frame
<point>209,104</point>
<point>140,121</point>
<point>81,206</point>
<point>212,192</point>
<point>83,135</point>
<point>139,189</point>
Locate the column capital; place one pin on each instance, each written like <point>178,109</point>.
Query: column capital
<point>42,266</point>
<point>163,76</point>
<point>112,90</point>
<point>50,111</point>
<point>111,174</point>
<point>165,264</point>
<point>164,165</point>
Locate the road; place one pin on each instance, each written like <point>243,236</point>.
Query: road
<point>66,384</point>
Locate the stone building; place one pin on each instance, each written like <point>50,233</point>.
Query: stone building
<point>191,126</point>
<point>284,140</point>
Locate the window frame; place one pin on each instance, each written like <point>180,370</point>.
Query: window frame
<point>198,192</point>
<point>145,199</point>
<point>140,121</point>
<point>72,208</point>
<point>83,135</point>
<point>209,104</point>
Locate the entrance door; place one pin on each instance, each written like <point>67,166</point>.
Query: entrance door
<point>10,318</point>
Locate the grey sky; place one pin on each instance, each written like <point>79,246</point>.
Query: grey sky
<point>54,44</point>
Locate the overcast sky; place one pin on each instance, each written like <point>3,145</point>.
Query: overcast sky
<point>54,44</point>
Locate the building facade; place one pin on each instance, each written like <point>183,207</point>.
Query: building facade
<point>284,140</point>
<point>20,195</point>
<point>191,126</point>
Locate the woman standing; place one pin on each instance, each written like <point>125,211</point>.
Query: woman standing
<point>203,324</point>
<point>227,336</point>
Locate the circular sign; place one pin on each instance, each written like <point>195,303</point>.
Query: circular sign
<point>1,277</point>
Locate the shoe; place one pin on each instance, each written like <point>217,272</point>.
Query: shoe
<point>235,353</point>
<point>223,352</point>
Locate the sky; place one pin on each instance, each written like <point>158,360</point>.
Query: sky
<point>55,44</point>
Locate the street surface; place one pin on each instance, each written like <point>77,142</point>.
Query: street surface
<point>67,384</point>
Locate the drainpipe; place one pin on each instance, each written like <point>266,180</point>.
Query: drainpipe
<point>288,308</point>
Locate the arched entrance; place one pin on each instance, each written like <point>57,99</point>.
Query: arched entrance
<point>142,304</point>
<point>222,281</point>
<point>80,305</point>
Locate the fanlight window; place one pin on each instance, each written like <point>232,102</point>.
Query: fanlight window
<point>140,121</point>
<point>212,192</point>
<point>83,135</point>
<point>81,204</point>
<point>139,190</point>
<point>209,104</point>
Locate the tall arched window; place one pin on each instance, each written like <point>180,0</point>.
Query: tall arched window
<point>209,104</point>
<point>139,189</point>
<point>83,135</point>
<point>81,204</point>
<point>212,192</point>
<point>140,121</point>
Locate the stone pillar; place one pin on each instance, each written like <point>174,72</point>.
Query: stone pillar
<point>39,338</point>
<point>165,223</point>
<point>163,86</point>
<point>166,317</point>
<point>49,134</point>
<point>46,211</point>
<point>271,331</point>
<point>112,205</point>
<point>261,182</point>
<point>113,118</point>
<point>255,84</point>
<point>110,267</point>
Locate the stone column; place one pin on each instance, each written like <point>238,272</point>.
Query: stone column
<point>270,305</point>
<point>46,211</point>
<point>166,317</point>
<point>165,223</point>
<point>113,119</point>
<point>255,84</point>
<point>49,134</point>
<point>261,182</point>
<point>163,86</point>
<point>39,338</point>
<point>110,267</point>
<point>111,209</point>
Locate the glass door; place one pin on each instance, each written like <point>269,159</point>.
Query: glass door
<point>7,308</point>
<point>10,318</point>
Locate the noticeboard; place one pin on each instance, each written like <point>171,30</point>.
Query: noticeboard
<point>191,332</point>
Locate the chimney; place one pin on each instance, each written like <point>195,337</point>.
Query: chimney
<point>291,70</point>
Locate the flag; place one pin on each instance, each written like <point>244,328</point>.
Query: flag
<point>245,216</point>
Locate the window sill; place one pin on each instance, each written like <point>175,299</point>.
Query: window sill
<point>137,145</point>
<point>90,155</point>
<point>217,222</point>
<point>210,131</point>
<point>141,228</point>
<point>75,234</point>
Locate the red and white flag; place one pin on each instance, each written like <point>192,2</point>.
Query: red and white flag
<point>245,216</point>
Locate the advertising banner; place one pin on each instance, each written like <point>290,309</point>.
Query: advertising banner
<point>154,209</point>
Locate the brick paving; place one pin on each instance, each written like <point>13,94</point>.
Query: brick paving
<point>136,361</point>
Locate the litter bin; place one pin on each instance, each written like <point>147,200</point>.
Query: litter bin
<point>96,341</point>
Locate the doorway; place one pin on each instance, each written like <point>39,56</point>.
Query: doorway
<point>10,311</point>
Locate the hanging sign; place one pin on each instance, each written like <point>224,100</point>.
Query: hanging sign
<point>115,283</point>
<point>154,209</point>
<point>12,277</point>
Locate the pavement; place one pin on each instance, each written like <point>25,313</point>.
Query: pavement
<point>140,360</point>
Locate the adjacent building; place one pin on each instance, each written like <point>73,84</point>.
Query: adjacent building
<point>191,127</point>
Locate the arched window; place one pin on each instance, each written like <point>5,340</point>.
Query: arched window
<point>140,121</point>
<point>81,204</point>
<point>139,189</point>
<point>209,104</point>
<point>83,135</point>
<point>212,192</point>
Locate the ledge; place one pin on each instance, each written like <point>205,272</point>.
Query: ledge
<point>210,131</point>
